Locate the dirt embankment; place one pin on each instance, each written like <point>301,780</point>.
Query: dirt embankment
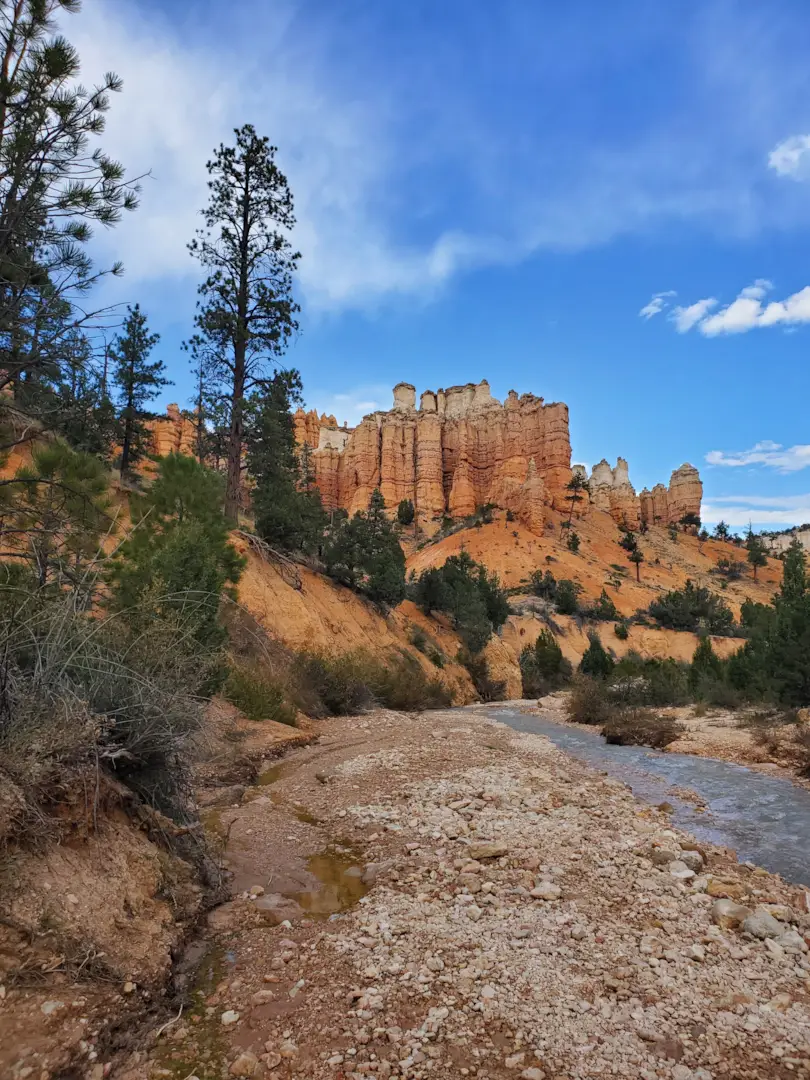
<point>310,612</point>
<point>96,901</point>
<point>457,900</point>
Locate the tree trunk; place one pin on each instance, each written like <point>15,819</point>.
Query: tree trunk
<point>126,445</point>
<point>240,346</point>
<point>638,571</point>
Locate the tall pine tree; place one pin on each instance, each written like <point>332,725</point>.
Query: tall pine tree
<point>287,508</point>
<point>138,381</point>
<point>246,308</point>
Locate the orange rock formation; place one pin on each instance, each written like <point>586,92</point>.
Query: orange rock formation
<point>462,448</point>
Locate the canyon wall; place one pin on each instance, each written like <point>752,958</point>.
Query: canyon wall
<point>462,448</point>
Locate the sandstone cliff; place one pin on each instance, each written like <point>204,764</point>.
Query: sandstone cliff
<point>462,448</point>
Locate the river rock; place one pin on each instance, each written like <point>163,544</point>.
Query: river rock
<point>732,890</point>
<point>485,850</point>
<point>245,1065</point>
<point>546,890</point>
<point>680,871</point>
<point>693,859</point>
<point>727,914</point>
<point>762,925</point>
<point>663,856</point>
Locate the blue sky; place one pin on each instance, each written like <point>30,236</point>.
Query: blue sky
<point>602,203</point>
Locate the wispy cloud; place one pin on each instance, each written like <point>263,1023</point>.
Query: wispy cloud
<point>686,317</point>
<point>792,158</point>
<point>350,407</point>
<point>746,312</point>
<point>740,510</point>
<point>772,455</point>
<point>657,304</point>
<point>407,172</point>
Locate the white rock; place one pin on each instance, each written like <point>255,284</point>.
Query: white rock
<point>680,871</point>
<point>546,890</point>
<point>229,1017</point>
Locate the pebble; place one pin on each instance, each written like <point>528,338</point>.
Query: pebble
<point>230,1016</point>
<point>245,1065</point>
<point>546,890</point>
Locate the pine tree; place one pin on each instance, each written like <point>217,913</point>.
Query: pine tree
<point>287,508</point>
<point>138,381</point>
<point>406,512</point>
<point>53,513</point>
<point>364,553</point>
<point>575,485</point>
<point>53,186</point>
<point>721,531</point>
<point>757,552</point>
<point>246,310</point>
<point>596,661</point>
<point>637,556</point>
<point>794,573</point>
<point>706,665</point>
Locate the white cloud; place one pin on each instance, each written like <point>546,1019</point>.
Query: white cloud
<point>350,407</point>
<point>792,157</point>
<point>770,454</point>
<point>740,510</point>
<point>746,312</point>
<point>686,317</point>
<point>369,144</point>
<point>656,304</point>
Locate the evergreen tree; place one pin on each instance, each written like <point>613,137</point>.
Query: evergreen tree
<point>794,573</point>
<point>468,593</point>
<point>721,531</point>
<point>364,554</point>
<point>208,402</point>
<point>53,513</point>
<point>406,512</point>
<point>757,552</point>
<point>246,311</point>
<point>287,508</point>
<point>575,485</point>
<point>178,560</point>
<point>637,557</point>
<point>53,186</point>
<point>573,542</point>
<point>138,381</point>
<point>596,661</point>
<point>706,665</point>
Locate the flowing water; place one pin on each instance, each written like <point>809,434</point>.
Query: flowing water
<point>765,819</point>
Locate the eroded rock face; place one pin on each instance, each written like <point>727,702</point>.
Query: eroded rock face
<point>172,433</point>
<point>462,448</point>
<point>459,450</point>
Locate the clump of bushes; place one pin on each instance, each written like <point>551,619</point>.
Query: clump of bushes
<point>258,695</point>
<point>364,554</point>
<point>602,610</point>
<point>567,597</point>
<point>357,681</point>
<point>621,631</point>
<point>543,667</point>
<point>468,593</point>
<point>425,644</point>
<point>693,608</point>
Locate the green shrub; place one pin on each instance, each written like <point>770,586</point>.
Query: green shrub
<point>621,631</point>
<point>258,696</point>
<point>470,595</point>
<point>355,682</point>
<point>406,512</point>
<point>602,610</point>
<point>596,661</point>
<point>543,667</point>
<point>693,608</point>
<point>567,597</point>
<point>364,554</point>
<point>543,584</point>
<point>421,641</point>
<point>589,701</point>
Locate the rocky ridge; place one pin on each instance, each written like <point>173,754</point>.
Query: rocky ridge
<point>462,448</point>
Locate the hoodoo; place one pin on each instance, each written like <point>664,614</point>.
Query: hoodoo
<point>462,448</point>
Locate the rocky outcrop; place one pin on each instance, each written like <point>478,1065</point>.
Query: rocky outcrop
<point>460,449</point>
<point>610,490</point>
<point>172,433</point>
<point>667,506</point>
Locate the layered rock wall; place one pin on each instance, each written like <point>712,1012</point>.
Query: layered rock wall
<point>667,506</point>
<point>461,449</point>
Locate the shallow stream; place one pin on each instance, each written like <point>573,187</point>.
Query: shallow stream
<point>765,819</point>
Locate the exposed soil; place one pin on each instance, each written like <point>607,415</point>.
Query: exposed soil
<point>439,895</point>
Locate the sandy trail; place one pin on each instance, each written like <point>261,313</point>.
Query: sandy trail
<point>464,900</point>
